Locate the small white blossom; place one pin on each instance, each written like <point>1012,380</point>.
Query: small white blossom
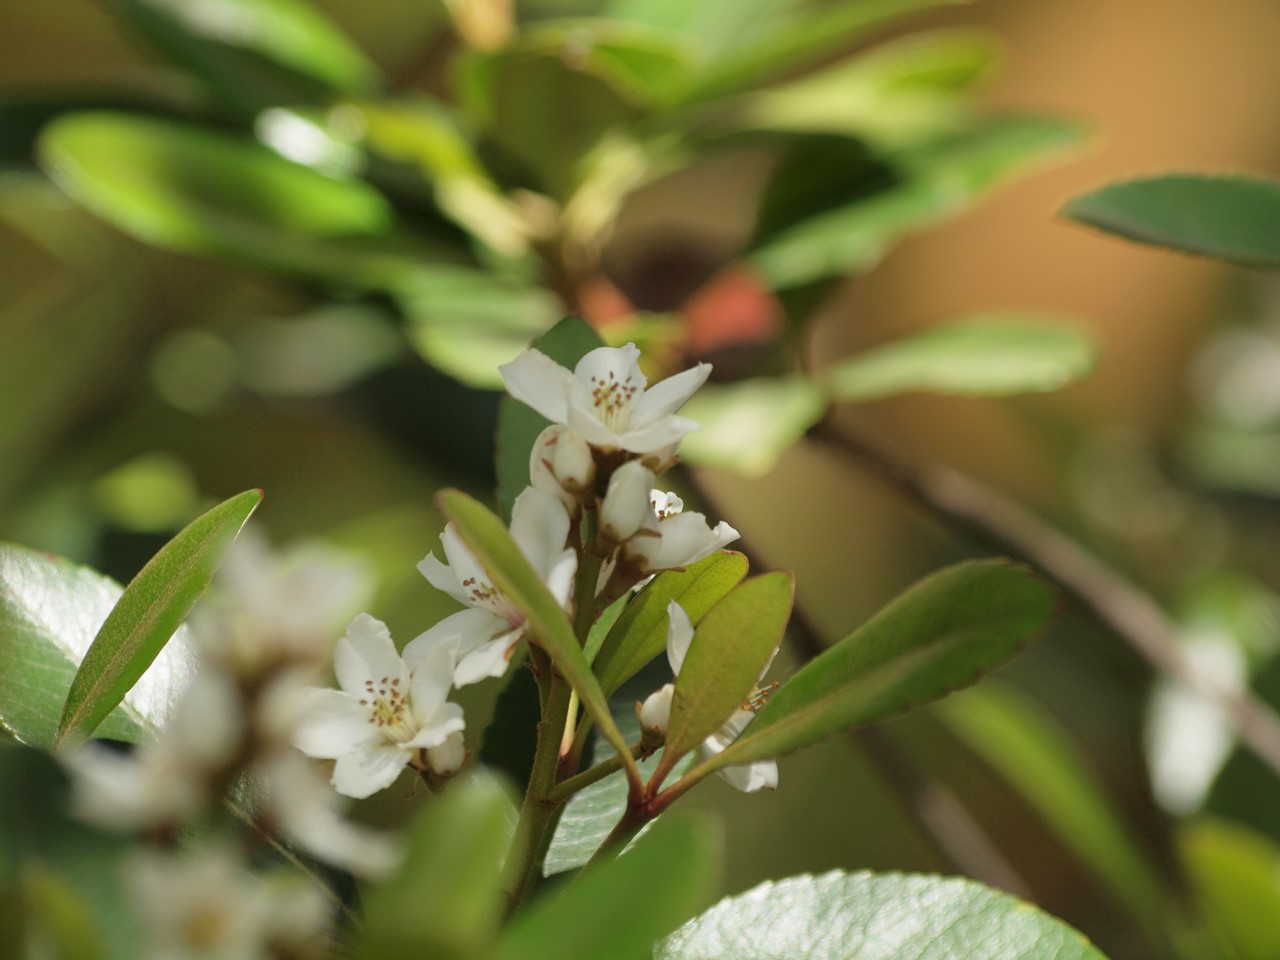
<point>655,712</point>
<point>604,399</point>
<point>669,538</point>
<point>487,633</point>
<point>384,716</point>
<point>626,505</point>
<point>561,464</point>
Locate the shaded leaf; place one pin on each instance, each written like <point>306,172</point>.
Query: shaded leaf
<point>1235,874</point>
<point>747,426</point>
<point>942,634</point>
<point>1235,218</point>
<point>151,608</point>
<point>866,916</point>
<point>511,738</point>
<point>50,611</point>
<point>984,355</point>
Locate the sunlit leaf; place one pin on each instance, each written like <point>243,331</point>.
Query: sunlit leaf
<point>151,608</point>
<point>746,426</point>
<point>866,916</point>
<point>50,611</point>
<point>1227,217</point>
<point>984,355</point>
<point>1235,874</point>
<point>942,634</point>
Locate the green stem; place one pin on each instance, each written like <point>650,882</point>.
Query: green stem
<point>567,788</point>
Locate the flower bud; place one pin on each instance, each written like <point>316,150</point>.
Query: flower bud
<point>573,463</point>
<point>626,503</point>
<point>655,712</point>
<point>447,759</point>
<point>542,474</point>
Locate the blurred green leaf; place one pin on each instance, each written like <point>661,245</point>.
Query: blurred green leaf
<point>942,634</point>
<point>920,185</point>
<point>1235,874</point>
<point>623,906</point>
<point>715,25</point>
<point>511,738</point>
<point>1021,741</point>
<point>731,647</point>
<point>184,188</point>
<point>983,355</point>
<point>802,37</point>
<point>1235,218</point>
<point>446,900</point>
<point>58,914</point>
<point>150,609</point>
<point>255,53</point>
<point>641,632</point>
<point>50,611</point>
<point>746,426</point>
<point>867,916</point>
<point>468,323</point>
<point>1242,458</point>
<point>487,538</point>
<point>518,425</point>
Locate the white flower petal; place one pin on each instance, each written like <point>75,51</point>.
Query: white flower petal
<point>442,578</point>
<point>540,528</point>
<point>433,678</point>
<point>667,396</point>
<point>447,721</point>
<point>683,539</point>
<point>611,364</point>
<point>679,636</point>
<point>332,723</point>
<point>490,660</point>
<point>365,771</point>
<point>584,420</point>
<point>367,652</point>
<point>750,777</point>
<point>535,379</point>
<point>470,629</point>
<point>659,435</point>
<point>462,562</point>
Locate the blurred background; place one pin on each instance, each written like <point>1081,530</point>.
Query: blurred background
<point>145,372</point>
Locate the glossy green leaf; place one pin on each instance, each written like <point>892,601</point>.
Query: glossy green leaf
<point>640,634</point>
<point>747,426</point>
<point>50,611</point>
<point>942,634</point>
<point>984,355</point>
<point>731,647</point>
<point>446,899</point>
<point>255,53</point>
<point>1235,218</point>
<point>518,425</point>
<point>151,608</point>
<point>188,189</point>
<point>920,185</point>
<point>867,916</point>
<point>468,323</point>
<point>801,38</point>
<point>1024,744</point>
<point>488,540</point>
<point>623,906</point>
<point>1235,874</point>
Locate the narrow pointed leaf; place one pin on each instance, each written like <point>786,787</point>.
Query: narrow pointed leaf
<point>50,611</point>
<point>640,634</point>
<point>1235,218</point>
<point>987,355</point>
<point>942,634</point>
<point>489,541</point>
<point>868,916</point>
<point>151,608</point>
<point>729,651</point>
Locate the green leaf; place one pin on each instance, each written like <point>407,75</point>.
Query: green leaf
<point>468,323</point>
<point>488,540</point>
<point>1235,218</point>
<point>801,38</point>
<point>61,914</point>
<point>184,188</point>
<point>1019,739</point>
<point>151,608</point>
<point>922,184</point>
<point>982,355</point>
<point>623,906</point>
<point>1235,874</point>
<point>716,26</point>
<point>50,610</point>
<point>867,916</point>
<point>747,426</point>
<point>446,899</point>
<point>730,649</point>
<point>942,634</point>
<point>641,632</point>
<point>255,53</point>
<point>518,425</point>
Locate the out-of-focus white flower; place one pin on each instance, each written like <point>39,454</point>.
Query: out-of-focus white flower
<point>655,712</point>
<point>604,399</point>
<point>669,538</point>
<point>487,633</point>
<point>562,465</point>
<point>384,716</point>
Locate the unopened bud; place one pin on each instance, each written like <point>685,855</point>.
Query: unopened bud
<point>448,758</point>
<point>655,712</point>
<point>573,463</point>
<point>626,503</point>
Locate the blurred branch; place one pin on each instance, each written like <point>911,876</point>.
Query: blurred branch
<point>989,517</point>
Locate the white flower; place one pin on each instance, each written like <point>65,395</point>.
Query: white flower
<point>604,399</point>
<point>487,633</point>
<point>669,538</point>
<point>655,713</point>
<point>384,715</point>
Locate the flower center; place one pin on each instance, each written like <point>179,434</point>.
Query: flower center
<point>612,399</point>
<point>388,708</point>
<point>489,597</point>
<point>759,698</point>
